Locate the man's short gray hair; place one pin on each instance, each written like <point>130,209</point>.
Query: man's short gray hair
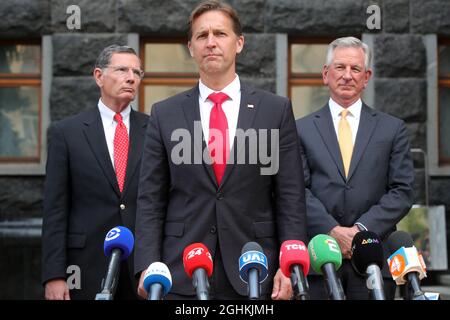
<point>104,58</point>
<point>349,42</point>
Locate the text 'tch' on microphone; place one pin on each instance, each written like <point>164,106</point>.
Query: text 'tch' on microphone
<point>294,263</point>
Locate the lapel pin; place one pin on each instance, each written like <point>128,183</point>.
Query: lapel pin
<point>250,106</point>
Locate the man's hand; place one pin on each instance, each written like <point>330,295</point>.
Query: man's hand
<point>57,290</point>
<point>141,291</point>
<point>344,237</point>
<point>282,288</point>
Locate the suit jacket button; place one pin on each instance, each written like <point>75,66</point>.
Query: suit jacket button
<point>122,207</point>
<point>219,196</point>
<point>213,229</point>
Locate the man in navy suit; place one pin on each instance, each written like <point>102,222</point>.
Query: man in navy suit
<point>227,203</point>
<point>91,183</point>
<point>357,165</point>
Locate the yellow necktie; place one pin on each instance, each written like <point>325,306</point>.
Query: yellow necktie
<point>345,141</point>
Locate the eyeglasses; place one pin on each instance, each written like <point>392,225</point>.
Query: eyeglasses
<point>123,71</point>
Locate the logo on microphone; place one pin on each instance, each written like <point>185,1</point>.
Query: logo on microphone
<point>370,241</point>
<point>397,265</point>
<point>197,252</point>
<point>254,256</point>
<point>114,233</point>
<point>332,245</point>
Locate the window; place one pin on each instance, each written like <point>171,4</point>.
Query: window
<point>306,88</point>
<point>444,100</point>
<point>169,69</point>
<point>20,102</point>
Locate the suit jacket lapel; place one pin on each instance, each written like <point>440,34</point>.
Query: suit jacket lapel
<point>325,126</point>
<point>191,111</point>
<point>367,124</point>
<point>95,136</point>
<point>245,121</point>
<point>137,134</point>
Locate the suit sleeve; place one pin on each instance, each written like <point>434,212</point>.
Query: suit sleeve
<point>289,185</point>
<point>398,199</point>
<point>152,196</point>
<point>56,207</point>
<point>319,220</point>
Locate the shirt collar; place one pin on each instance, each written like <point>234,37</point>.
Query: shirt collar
<point>107,114</point>
<point>354,109</point>
<point>231,90</point>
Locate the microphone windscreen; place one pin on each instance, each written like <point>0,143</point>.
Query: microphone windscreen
<point>119,238</point>
<point>324,249</point>
<point>158,272</point>
<point>293,252</point>
<point>251,246</point>
<point>197,256</point>
<point>399,239</point>
<point>366,250</point>
<point>253,257</point>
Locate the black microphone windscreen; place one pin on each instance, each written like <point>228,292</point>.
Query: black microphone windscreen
<point>399,239</point>
<point>367,249</point>
<point>251,246</point>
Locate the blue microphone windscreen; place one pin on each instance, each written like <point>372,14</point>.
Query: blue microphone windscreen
<point>119,238</point>
<point>253,257</point>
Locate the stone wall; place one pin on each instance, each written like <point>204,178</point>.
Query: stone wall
<point>400,69</point>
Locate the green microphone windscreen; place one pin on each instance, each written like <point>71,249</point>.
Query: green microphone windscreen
<point>324,249</point>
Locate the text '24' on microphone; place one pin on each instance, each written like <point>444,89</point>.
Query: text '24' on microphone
<point>294,263</point>
<point>157,281</point>
<point>253,268</point>
<point>367,260</point>
<point>326,259</point>
<point>198,265</point>
<point>118,245</point>
<point>406,265</point>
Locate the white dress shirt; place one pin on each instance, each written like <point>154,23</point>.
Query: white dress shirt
<point>353,116</point>
<point>109,125</point>
<point>230,107</point>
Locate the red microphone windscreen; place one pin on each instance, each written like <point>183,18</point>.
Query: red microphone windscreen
<point>197,256</point>
<point>293,252</point>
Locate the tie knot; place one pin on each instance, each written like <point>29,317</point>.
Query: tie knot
<point>218,97</point>
<point>344,113</point>
<point>118,117</point>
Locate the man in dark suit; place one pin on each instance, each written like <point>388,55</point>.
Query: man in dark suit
<point>226,204</point>
<point>91,183</point>
<point>357,162</point>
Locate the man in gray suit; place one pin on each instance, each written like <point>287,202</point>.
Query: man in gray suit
<point>357,164</point>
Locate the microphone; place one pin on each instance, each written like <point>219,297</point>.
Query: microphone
<point>253,268</point>
<point>157,281</point>
<point>406,265</point>
<point>294,263</point>
<point>198,265</point>
<point>118,245</point>
<point>326,258</point>
<point>367,259</point>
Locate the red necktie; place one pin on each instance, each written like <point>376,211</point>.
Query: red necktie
<point>219,144</point>
<point>120,150</point>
